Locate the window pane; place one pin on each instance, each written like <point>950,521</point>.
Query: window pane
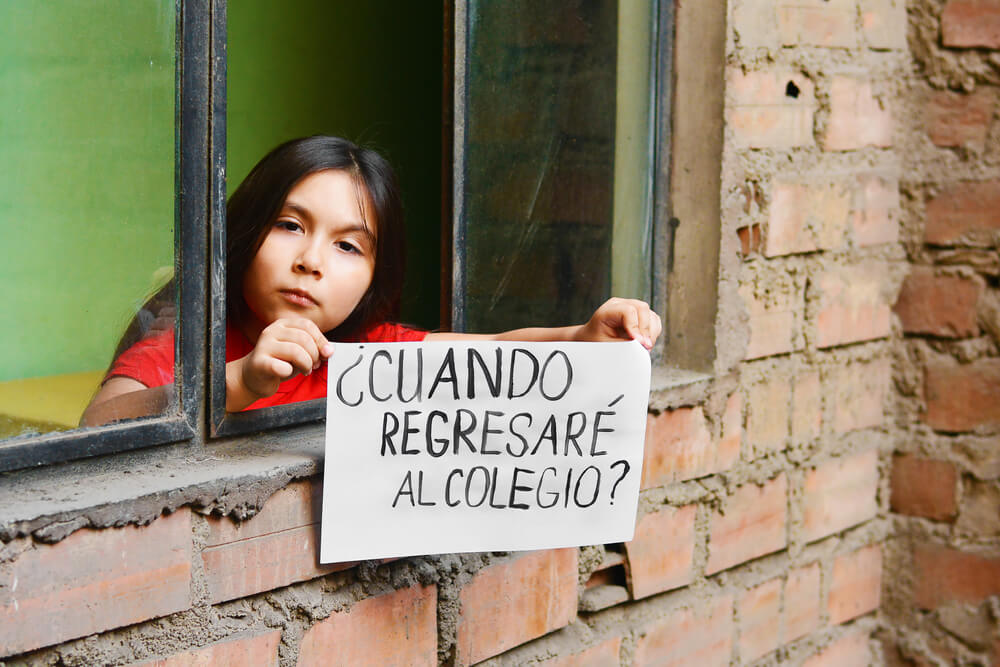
<point>87,198</point>
<point>557,159</point>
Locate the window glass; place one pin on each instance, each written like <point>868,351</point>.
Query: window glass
<point>557,163</point>
<point>87,198</point>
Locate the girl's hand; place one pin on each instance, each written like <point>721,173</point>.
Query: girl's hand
<point>622,319</point>
<point>286,347</point>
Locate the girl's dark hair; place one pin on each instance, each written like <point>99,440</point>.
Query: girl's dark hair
<point>255,204</point>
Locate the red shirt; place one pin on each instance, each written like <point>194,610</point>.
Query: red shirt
<point>151,362</point>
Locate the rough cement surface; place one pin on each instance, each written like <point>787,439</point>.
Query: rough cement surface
<point>233,478</point>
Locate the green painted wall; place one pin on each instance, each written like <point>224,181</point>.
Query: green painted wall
<point>367,71</point>
<point>87,155</point>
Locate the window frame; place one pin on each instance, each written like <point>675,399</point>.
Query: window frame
<point>454,221</point>
<point>200,196</point>
<point>190,263</point>
<point>658,177</point>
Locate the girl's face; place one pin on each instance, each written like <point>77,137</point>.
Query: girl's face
<point>318,257</point>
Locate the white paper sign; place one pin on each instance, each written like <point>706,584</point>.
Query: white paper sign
<point>444,447</point>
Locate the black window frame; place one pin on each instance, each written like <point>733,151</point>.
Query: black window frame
<point>454,234</point>
<point>192,21</point>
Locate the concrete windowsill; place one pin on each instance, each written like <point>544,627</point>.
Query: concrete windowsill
<point>234,477</point>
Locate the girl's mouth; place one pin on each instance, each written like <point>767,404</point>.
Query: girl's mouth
<point>298,297</point>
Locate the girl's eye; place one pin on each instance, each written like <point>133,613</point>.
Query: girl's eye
<point>347,246</point>
<point>289,225</point>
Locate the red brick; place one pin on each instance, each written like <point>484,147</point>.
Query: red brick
<point>802,602</point>
<point>753,525</point>
<point>95,580</point>
<point>728,450</point>
<point>678,446</point>
<point>773,312</point>
<point>804,217</point>
<point>763,115</point>
<point>759,610</point>
<point>767,413</point>
<point>939,305</point>
<point>853,305</point>
<point>294,506</point>
<point>858,392</point>
<point>807,409</point>
<point>851,650</point>
<point>750,240</point>
<point>816,23</point>
<point>839,494</point>
<point>857,119</point>
<point>686,637</point>
<point>958,119</point>
<point>967,23</point>
<point>962,397</point>
<point>856,584</point>
<point>512,602</point>
<point>605,654</point>
<point>942,574</point>
<point>874,210</point>
<point>964,213</point>
<point>883,23</point>
<point>398,628</point>
<point>281,541</point>
<point>245,651</point>
<point>924,487</point>
<point>661,556</point>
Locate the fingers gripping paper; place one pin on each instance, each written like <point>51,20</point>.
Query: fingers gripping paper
<point>443,447</point>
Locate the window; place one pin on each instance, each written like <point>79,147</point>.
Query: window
<point>556,161</point>
<point>92,213</point>
<point>531,140</point>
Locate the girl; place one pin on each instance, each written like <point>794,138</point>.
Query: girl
<point>315,254</point>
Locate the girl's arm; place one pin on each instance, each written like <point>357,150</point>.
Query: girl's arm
<point>616,319</point>
<point>125,398</point>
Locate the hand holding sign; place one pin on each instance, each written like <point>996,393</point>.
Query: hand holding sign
<point>456,446</point>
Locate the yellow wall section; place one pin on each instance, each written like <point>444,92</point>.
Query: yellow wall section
<point>47,402</point>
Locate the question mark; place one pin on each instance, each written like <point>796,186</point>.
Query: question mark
<point>624,472</point>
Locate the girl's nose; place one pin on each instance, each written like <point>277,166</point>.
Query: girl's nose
<point>309,260</point>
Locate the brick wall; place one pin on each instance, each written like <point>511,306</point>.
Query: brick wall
<point>944,582</point>
<point>828,498</point>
